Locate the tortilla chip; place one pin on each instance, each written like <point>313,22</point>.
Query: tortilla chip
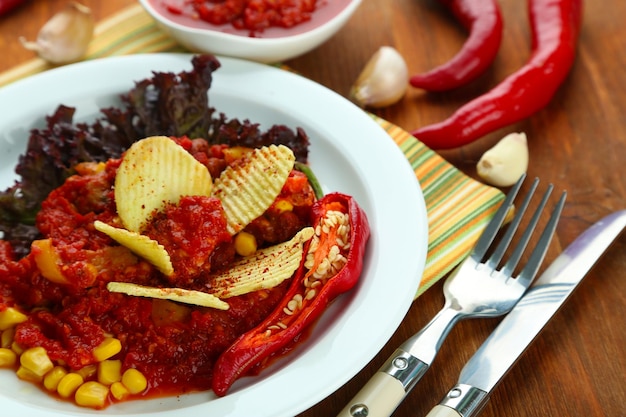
<point>248,188</point>
<point>154,172</point>
<point>181,295</point>
<point>149,249</point>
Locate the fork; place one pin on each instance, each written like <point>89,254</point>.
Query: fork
<point>476,288</point>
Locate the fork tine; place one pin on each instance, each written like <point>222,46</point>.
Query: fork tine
<point>490,232</point>
<point>498,254</point>
<point>523,242</point>
<point>536,258</point>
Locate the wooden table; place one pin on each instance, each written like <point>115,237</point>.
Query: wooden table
<point>577,365</point>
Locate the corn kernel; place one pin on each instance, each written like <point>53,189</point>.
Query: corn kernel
<point>7,358</point>
<point>51,379</point>
<point>134,381</point>
<point>107,349</point>
<point>88,371</point>
<point>233,153</point>
<point>109,371</point>
<point>91,394</point>
<point>36,359</point>
<point>6,338</point>
<point>119,391</point>
<point>245,244</point>
<point>28,375</point>
<point>47,260</point>
<point>17,348</point>
<point>69,384</point>
<point>283,205</point>
<point>10,317</point>
<point>89,168</point>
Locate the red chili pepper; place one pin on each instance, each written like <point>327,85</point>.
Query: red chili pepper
<point>555,27</point>
<point>308,295</point>
<point>483,20</point>
<point>8,5</point>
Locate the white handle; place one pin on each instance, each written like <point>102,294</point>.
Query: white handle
<point>378,398</point>
<point>443,411</point>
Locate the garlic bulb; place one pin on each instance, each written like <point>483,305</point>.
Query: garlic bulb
<point>383,81</point>
<point>505,163</point>
<point>65,37</point>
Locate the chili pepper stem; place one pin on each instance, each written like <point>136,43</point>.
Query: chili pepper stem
<point>311,177</point>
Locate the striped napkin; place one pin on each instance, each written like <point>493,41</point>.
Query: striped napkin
<point>457,206</point>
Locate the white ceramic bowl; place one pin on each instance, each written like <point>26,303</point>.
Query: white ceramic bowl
<point>272,45</point>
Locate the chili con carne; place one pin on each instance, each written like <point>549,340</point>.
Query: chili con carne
<point>173,345</point>
<point>308,295</point>
<point>555,26</point>
<point>483,20</point>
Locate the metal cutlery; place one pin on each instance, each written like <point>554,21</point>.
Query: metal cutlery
<point>518,329</point>
<point>477,288</point>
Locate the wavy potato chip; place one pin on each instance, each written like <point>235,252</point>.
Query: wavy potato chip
<point>266,268</point>
<point>156,171</point>
<point>249,188</point>
<point>141,245</point>
<point>173,294</point>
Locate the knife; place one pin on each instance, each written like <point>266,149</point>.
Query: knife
<point>519,328</point>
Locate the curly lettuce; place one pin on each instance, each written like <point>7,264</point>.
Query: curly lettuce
<point>166,104</point>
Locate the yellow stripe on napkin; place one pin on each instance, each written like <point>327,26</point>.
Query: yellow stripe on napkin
<point>458,207</point>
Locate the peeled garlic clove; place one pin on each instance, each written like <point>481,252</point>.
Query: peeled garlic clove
<point>383,81</point>
<point>65,37</point>
<point>505,163</point>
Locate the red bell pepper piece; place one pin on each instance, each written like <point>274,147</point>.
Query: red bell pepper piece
<point>311,290</point>
<point>555,27</point>
<point>483,20</point>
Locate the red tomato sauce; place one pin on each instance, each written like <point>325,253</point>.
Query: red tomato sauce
<point>254,18</point>
<point>174,345</point>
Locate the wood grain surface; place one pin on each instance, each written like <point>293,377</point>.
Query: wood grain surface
<point>577,365</point>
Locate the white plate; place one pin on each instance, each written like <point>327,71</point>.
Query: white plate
<point>349,153</point>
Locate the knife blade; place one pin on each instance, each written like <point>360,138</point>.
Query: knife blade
<point>519,328</point>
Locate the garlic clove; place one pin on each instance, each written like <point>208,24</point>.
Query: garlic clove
<point>506,162</point>
<point>383,81</point>
<point>65,37</point>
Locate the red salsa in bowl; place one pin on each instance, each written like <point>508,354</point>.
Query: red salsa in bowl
<point>265,35</point>
<point>253,18</point>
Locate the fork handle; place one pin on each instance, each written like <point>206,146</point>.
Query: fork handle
<point>379,397</point>
<point>443,411</point>
<point>387,388</point>
<point>403,369</point>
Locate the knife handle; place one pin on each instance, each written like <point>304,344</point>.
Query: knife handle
<point>462,400</point>
<point>387,388</point>
<point>443,411</point>
<point>379,397</point>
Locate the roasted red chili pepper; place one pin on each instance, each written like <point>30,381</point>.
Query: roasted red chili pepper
<point>555,26</point>
<point>483,20</point>
<point>332,265</point>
